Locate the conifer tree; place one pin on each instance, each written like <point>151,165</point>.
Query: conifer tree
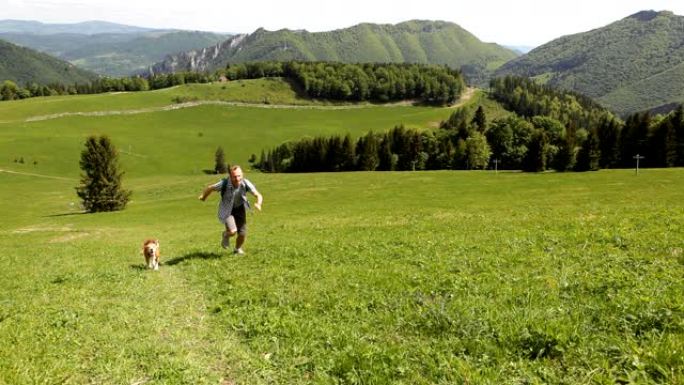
<point>220,166</point>
<point>348,156</point>
<point>100,188</point>
<point>385,156</point>
<point>535,158</point>
<point>367,150</point>
<point>480,120</point>
<point>678,126</point>
<point>589,154</point>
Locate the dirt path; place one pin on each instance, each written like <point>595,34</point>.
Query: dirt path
<point>38,175</point>
<point>467,95</point>
<point>463,99</point>
<point>193,104</point>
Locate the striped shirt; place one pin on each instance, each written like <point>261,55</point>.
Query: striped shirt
<point>233,197</point>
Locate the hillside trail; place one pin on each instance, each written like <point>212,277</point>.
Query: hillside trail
<point>467,95</point>
<point>36,175</point>
<point>195,104</point>
<point>462,100</point>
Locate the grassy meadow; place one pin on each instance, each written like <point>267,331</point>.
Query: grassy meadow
<point>446,277</point>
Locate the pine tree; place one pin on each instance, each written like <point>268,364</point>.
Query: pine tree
<point>348,155</point>
<point>385,156</point>
<point>220,166</point>
<point>589,154</point>
<point>678,126</point>
<point>368,153</point>
<point>100,187</point>
<point>480,120</point>
<point>535,158</point>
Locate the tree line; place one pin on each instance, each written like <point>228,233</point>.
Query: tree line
<point>9,90</point>
<point>550,130</point>
<point>375,82</point>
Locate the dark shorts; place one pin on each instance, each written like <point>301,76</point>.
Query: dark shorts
<point>237,221</point>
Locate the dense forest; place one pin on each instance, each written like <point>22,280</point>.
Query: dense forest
<point>552,129</point>
<point>374,82</point>
<point>9,90</point>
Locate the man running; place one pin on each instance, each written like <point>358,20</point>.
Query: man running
<point>232,207</point>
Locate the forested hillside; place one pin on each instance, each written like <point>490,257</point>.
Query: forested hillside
<point>549,129</point>
<point>428,42</point>
<point>631,65</point>
<point>24,66</point>
<point>375,82</point>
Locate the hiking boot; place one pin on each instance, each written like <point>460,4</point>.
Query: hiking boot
<point>225,240</point>
<point>239,251</point>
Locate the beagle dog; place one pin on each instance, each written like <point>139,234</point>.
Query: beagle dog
<point>151,253</point>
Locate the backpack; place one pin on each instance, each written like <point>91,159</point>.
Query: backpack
<point>224,187</point>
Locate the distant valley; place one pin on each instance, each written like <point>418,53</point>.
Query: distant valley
<point>105,48</point>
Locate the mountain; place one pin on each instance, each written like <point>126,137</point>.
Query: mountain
<point>416,41</point>
<point>634,64</point>
<point>84,28</point>
<point>23,65</point>
<point>113,54</point>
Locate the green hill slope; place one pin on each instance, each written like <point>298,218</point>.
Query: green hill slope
<point>433,42</point>
<point>375,278</point>
<point>183,136</point>
<point>663,90</point>
<point>630,54</point>
<point>23,65</point>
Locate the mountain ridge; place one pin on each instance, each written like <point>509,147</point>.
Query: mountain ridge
<point>600,62</point>
<point>90,27</point>
<point>414,41</point>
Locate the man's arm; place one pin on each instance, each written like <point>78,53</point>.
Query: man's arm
<point>207,191</point>
<point>260,199</point>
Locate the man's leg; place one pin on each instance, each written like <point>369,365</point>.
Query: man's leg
<point>241,225</point>
<point>231,229</point>
<point>239,241</point>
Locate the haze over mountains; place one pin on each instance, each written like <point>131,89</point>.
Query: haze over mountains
<point>105,48</point>
<point>633,64</point>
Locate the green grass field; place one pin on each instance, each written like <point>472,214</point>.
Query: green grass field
<point>355,278</point>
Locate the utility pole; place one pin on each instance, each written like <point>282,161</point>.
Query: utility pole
<point>496,166</point>
<point>637,157</point>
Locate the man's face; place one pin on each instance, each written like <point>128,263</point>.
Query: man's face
<point>235,177</point>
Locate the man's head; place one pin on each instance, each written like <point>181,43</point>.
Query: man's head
<point>235,175</point>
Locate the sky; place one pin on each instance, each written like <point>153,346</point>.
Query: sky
<point>507,22</point>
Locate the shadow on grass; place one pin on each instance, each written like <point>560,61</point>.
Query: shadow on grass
<point>193,255</point>
<point>65,214</point>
